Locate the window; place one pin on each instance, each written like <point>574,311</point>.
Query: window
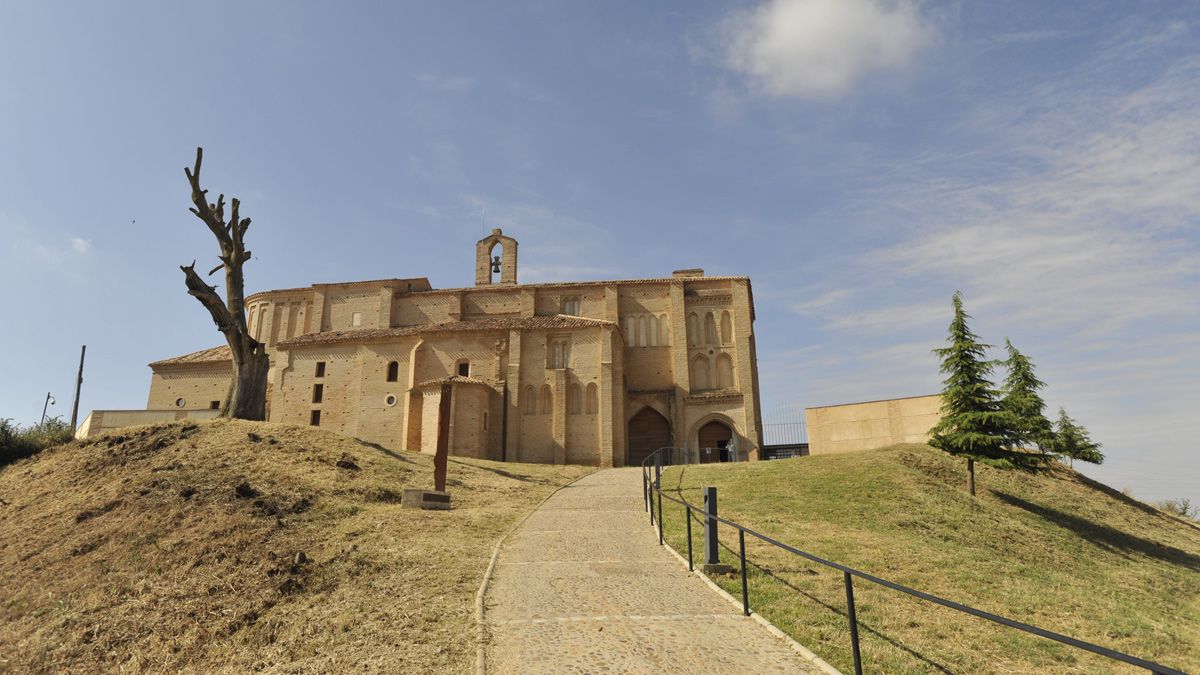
<point>485,421</point>
<point>464,368</point>
<point>547,400</point>
<point>726,328</point>
<point>724,372</point>
<point>214,405</point>
<point>700,378</point>
<point>575,400</point>
<point>693,330</point>
<point>318,392</point>
<point>592,407</point>
<point>653,331</point>
<point>558,354</point>
<point>664,330</point>
<point>642,331</point>
<point>710,329</point>
<point>531,400</point>
<point>315,418</point>
<point>570,306</point>
<point>356,319</point>
<point>630,331</point>
<point>179,402</point>
<point>393,371</point>
<point>320,369</point>
<point>389,400</point>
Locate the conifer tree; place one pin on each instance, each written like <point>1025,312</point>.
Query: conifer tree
<point>1072,441</point>
<point>1025,406</point>
<point>972,425</point>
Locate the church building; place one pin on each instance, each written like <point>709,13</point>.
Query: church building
<point>587,372</point>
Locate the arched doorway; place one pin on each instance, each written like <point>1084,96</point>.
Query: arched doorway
<point>648,431</point>
<point>713,438</point>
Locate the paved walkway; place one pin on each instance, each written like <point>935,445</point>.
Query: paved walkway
<point>584,587</point>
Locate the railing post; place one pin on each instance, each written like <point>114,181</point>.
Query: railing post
<point>660,518</point>
<point>645,494</point>
<point>687,518</point>
<point>710,526</point>
<point>742,554</point>
<point>853,622</point>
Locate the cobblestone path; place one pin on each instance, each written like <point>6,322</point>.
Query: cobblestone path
<point>584,587</point>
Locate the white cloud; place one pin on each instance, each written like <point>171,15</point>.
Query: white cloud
<point>819,48</point>
<point>80,245</point>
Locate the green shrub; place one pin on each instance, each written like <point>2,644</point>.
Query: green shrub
<point>18,443</point>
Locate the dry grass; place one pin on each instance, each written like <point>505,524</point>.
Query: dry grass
<point>1053,549</point>
<point>238,546</point>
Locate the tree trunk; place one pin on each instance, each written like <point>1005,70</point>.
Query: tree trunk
<point>971,475</point>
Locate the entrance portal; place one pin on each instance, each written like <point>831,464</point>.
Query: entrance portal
<point>713,440</point>
<point>648,431</point>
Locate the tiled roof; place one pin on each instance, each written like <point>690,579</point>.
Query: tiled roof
<point>578,284</point>
<point>211,355</point>
<point>555,322</point>
<point>453,379</point>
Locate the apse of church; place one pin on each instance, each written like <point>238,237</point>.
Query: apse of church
<point>588,372</point>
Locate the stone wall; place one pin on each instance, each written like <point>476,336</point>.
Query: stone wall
<point>873,424</point>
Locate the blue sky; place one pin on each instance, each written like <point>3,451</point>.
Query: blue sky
<point>860,159</point>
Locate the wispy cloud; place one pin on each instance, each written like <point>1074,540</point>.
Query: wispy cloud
<point>820,48</point>
<point>459,84</point>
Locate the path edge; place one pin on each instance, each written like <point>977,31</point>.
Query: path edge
<point>480,626</point>
<point>800,649</point>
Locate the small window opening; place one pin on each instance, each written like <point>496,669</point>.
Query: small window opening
<point>570,306</point>
<point>320,369</point>
<point>179,402</point>
<point>464,368</point>
<point>485,421</point>
<point>315,418</point>
<point>393,371</point>
<point>214,405</point>
<point>356,319</point>
<point>318,392</point>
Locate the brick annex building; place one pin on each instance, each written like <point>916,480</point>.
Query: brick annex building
<point>593,372</point>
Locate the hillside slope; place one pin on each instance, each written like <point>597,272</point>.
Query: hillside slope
<point>238,546</point>
<point>1053,549</point>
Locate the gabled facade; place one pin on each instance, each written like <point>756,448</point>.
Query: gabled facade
<point>597,372</point>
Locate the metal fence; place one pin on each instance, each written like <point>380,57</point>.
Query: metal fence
<point>784,425</point>
<point>653,498</point>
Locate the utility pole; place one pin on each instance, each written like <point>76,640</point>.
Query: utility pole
<point>49,402</point>
<point>78,384</point>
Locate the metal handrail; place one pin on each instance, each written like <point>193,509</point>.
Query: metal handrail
<point>652,487</point>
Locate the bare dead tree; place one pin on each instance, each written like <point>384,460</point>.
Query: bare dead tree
<point>247,397</point>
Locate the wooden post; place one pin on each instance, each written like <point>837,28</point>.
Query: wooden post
<point>443,440</point>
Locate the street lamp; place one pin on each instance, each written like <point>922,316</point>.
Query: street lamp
<point>49,402</point>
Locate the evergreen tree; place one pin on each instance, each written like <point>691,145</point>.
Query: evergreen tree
<point>1072,441</point>
<point>972,425</point>
<point>1025,406</point>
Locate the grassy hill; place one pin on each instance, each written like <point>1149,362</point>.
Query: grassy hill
<point>240,546</point>
<point>1054,549</point>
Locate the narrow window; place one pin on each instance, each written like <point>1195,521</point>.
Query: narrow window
<point>393,371</point>
<point>356,319</point>
<point>700,378</point>
<point>214,405</point>
<point>315,418</point>
<point>592,407</point>
<point>575,400</point>
<point>642,331</point>
<point>724,372</point>
<point>653,331</point>
<point>530,401</point>
<point>464,368</point>
<point>318,392</point>
<point>693,330</point>
<point>630,331</point>
<point>547,400</point>
<point>726,328</point>
<point>320,369</point>
<point>485,421</point>
<point>710,329</point>
<point>664,330</point>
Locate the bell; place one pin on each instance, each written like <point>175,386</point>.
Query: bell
<point>496,265</point>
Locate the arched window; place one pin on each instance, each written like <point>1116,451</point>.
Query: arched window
<point>710,329</point>
<point>693,329</point>
<point>575,400</point>
<point>642,331</point>
<point>664,330</point>
<point>724,372</point>
<point>726,328</point>
<point>530,401</point>
<point>653,330</point>
<point>547,400</point>
<point>593,406</point>
<point>393,371</point>
<point>630,331</point>
<point>700,378</point>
